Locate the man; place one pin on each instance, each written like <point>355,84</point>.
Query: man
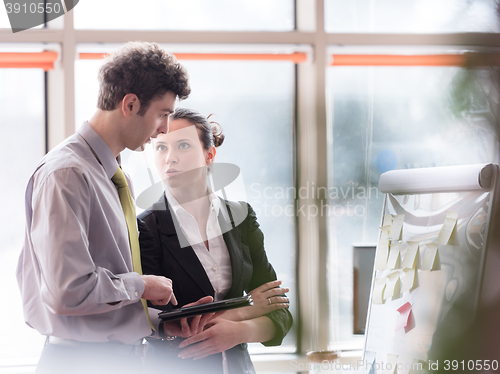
<point>78,274</point>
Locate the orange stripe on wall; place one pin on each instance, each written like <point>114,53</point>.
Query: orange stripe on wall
<point>466,59</point>
<point>29,60</point>
<point>296,57</point>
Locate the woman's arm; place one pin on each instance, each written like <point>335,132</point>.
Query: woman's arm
<point>224,334</point>
<point>263,272</point>
<point>266,299</point>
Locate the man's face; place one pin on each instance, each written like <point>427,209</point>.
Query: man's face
<point>152,123</point>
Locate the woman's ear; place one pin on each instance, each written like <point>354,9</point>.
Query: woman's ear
<point>211,155</point>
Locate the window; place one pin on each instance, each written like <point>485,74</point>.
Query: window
<point>417,16</point>
<point>23,134</point>
<point>214,15</point>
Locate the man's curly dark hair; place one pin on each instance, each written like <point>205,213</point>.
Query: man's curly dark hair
<point>143,69</point>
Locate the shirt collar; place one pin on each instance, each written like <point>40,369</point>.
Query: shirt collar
<point>101,149</point>
<point>214,199</point>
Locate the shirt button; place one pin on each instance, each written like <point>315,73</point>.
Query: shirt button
<point>136,294</point>
<point>214,268</point>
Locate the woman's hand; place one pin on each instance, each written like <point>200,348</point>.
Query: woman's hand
<point>265,300</point>
<point>197,324</point>
<point>221,335</point>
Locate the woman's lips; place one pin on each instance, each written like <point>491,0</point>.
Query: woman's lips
<point>171,172</point>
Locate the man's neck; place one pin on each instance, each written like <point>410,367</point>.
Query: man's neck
<point>104,124</point>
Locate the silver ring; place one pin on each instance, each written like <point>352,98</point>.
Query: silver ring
<point>269,301</point>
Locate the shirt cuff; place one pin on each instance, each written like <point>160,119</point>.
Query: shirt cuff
<point>134,285</point>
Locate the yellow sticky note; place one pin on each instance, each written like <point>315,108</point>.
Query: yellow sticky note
<point>408,280</point>
<point>378,291</point>
<point>382,249</point>
<point>393,285</point>
<point>397,226</point>
<point>431,258</point>
<point>392,364</point>
<point>411,257</point>
<point>384,232</point>
<point>449,225</point>
<point>394,261</point>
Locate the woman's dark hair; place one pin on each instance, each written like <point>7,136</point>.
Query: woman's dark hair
<point>210,131</point>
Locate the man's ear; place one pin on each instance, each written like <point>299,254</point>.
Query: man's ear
<point>130,105</point>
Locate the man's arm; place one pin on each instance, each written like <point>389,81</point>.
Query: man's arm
<point>72,284</point>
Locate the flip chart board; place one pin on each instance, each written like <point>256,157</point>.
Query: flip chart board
<point>431,254</point>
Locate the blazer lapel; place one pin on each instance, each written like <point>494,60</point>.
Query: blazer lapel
<point>171,237</point>
<point>232,238</point>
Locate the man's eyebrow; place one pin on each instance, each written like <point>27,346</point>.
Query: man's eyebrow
<point>167,110</point>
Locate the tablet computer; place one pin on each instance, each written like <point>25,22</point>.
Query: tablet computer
<point>217,306</point>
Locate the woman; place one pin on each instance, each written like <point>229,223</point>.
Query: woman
<point>208,247</point>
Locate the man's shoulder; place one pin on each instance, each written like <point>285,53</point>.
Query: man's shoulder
<point>72,153</point>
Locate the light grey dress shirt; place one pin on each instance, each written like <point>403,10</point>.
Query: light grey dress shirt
<point>76,256</point>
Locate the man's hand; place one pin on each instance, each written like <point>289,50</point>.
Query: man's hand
<point>158,290</point>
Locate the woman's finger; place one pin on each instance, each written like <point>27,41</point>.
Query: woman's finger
<point>204,320</point>
<point>279,299</point>
<point>266,286</point>
<point>194,324</point>
<point>186,332</point>
<point>275,291</point>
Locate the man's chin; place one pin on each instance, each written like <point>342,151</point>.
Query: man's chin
<point>141,148</point>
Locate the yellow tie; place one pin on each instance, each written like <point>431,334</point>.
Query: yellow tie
<point>129,212</point>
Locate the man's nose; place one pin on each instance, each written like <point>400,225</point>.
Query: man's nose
<point>163,129</point>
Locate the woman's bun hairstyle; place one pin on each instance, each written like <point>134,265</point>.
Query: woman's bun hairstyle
<point>218,136</point>
<point>210,131</point>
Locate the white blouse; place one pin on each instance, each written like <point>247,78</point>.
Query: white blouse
<point>216,261</point>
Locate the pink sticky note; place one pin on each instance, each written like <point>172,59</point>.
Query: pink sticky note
<point>404,316</point>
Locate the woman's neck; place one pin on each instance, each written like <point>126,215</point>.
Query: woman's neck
<point>194,198</point>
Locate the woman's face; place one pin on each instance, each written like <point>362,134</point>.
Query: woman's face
<point>179,155</point>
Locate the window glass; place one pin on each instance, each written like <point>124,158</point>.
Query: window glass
<point>385,118</point>
<point>253,102</point>
<point>249,15</point>
<point>417,16</point>
<point>23,132</point>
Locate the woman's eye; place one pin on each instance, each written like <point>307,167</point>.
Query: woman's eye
<point>183,145</point>
<point>161,148</point>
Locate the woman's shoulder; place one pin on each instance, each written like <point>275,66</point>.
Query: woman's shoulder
<point>239,211</point>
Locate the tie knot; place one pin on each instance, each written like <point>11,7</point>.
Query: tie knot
<point>119,179</point>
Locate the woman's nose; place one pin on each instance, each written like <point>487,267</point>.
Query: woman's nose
<point>171,157</point>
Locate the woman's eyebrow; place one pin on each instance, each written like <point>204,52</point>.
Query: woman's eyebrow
<point>183,140</point>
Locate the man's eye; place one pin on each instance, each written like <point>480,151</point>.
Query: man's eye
<point>164,115</point>
<point>183,145</point>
